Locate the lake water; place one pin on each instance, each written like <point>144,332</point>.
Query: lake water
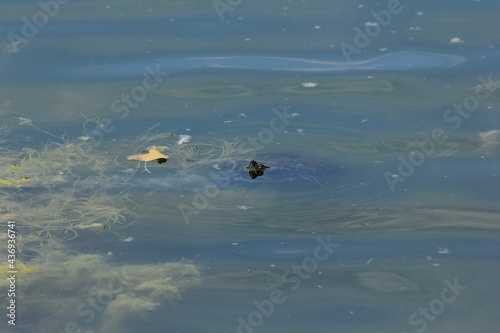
<point>379,122</point>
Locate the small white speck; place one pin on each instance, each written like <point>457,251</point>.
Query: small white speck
<point>128,239</point>
<point>227,121</point>
<point>371,24</point>
<point>244,207</point>
<point>443,250</point>
<point>456,40</point>
<point>419,13</point>
<point>309,84</point>
<point>183,138</point>
<point>295,114</point>
<point>369,261</point>
<point>24,121</point>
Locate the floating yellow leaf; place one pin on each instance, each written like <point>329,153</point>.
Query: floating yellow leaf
<point>150,154</point>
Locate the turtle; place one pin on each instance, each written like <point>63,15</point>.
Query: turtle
<point>290,172</point>
<point>274,168</point>
<point>256,169</point>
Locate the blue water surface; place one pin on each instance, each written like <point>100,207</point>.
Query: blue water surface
<point>382,137</point>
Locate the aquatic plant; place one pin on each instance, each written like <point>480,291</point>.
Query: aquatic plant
<point>68,281</point>
<point>54,164</point>
<point>190,158</point>
<point>56,193</point>
<point>186,155</point>
<point>28,122</point>
<point>60,216</point>
<point>52,211</point>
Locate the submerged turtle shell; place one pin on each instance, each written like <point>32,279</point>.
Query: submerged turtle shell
<point>283,167</point>
<point>290,173</point>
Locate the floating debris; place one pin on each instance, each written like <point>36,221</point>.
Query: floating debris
<point>150,154</point>
<point>456,40</point>
<point>443,250</point>
<point>94,225</point>
<point>183,138</point>
<point>85,138</point>
<point>25,121</point>
<point>309,84</point>
<point>256,169</point>
<point>490,139</point>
